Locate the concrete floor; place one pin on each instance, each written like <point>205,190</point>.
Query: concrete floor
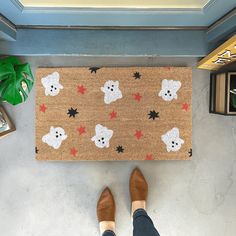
<point>187,198</point>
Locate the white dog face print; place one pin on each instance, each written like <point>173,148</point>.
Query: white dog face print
<point>169,89</point>
<point>102,136</point>
<point>111,91</point>
<point>55,137</point>
<point>172,140</point>
<point>51,84</point>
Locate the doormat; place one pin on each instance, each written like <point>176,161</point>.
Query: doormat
<point>123,113</point>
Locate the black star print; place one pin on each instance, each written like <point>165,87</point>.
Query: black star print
<point>153,115</point>
<point>36,150</point>
<point>72,112</point>
<point>119,149</point>
<point>94,69</point>
<point>190,152</point>
<point>137,75</point>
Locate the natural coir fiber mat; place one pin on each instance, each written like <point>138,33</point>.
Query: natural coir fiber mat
<point>123,113</point>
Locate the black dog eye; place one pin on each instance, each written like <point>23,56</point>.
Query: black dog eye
<point>60,134</point>
<point>112,86</point>
<point>56,132</point>
<point>111,89</point>
<point>55,88</point>
<point>165,94</point>
<point>102,142</point>
<point>51,86</point>
<point>173,142</point>
<point>173,146</point>
<point>108,87</point>
<point>176,143</point>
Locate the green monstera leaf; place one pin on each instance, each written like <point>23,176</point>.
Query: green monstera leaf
<point>16,80</point>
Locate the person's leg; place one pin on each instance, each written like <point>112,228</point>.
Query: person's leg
<point>143,225</point>
<point>106,213</point>
<point>108,233</point>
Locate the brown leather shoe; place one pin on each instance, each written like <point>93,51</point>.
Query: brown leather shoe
<point>106,206</point>
<point>138,186</point>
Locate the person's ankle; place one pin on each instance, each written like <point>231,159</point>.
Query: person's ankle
<point>138,205</point>
<point>106,225</point>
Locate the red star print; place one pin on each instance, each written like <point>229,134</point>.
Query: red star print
<point>149,157</point>
<point>138,134</point>
<point>43,108</point>
<point>185,106</point>
<point>113,115</point>
<point>81,130</point>
<point>73,152</point>
<point>137,97</point>
<point>81,89</point>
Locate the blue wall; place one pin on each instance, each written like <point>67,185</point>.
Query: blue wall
<point>19,15</point>
<point>182,42</point>
<point>7,30</point>
<point>107,43</point>
<point>225,27</point>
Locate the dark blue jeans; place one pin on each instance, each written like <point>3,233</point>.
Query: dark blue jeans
<point>143,225</point>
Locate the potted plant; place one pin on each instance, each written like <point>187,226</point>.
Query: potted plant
<point>16,80</point>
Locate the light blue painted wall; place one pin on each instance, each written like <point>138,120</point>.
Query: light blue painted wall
<point>6,32</point>
<point>108,43</point>
<point>222,30</point>
<point>188,43</point>
<point>94,17</point>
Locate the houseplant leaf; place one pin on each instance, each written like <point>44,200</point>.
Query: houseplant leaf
<point>16,80</point>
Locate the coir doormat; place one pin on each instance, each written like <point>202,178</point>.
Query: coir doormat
<point>133,113</point>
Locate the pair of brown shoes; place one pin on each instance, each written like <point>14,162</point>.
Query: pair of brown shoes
<point>138,192</point>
